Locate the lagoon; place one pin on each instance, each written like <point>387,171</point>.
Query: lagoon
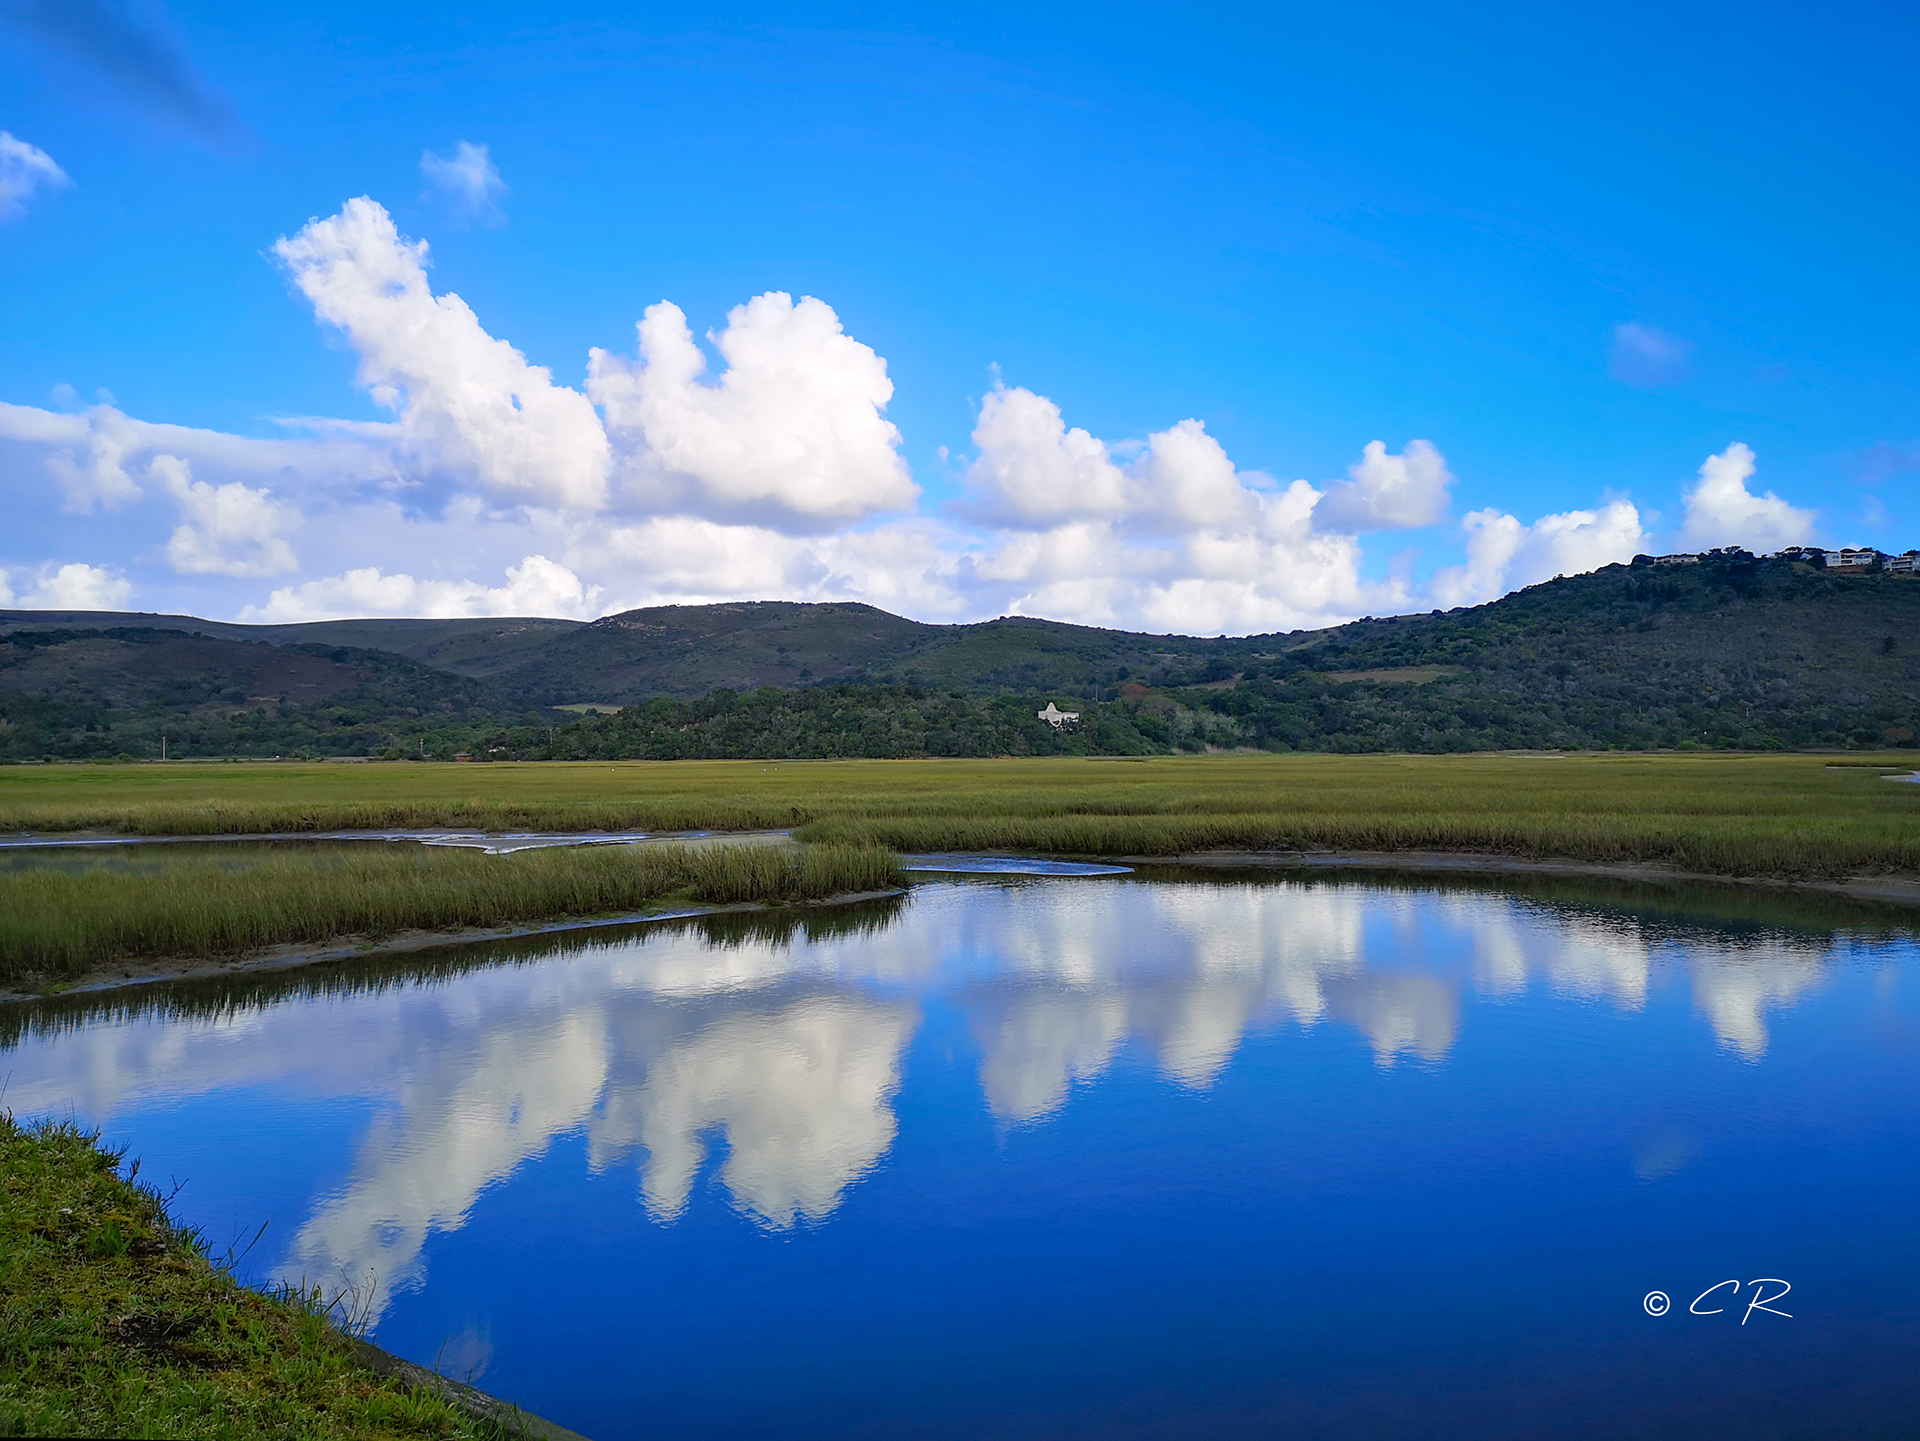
<point>1053,1155</point>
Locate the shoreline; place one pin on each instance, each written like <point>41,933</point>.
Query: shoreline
<point>485,1407</point>
<point>26,842</point>
<point>1895,890</point>
<point>148,972</point>
<point>1899,890</point>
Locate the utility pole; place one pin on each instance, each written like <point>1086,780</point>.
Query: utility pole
<point>163,747</point>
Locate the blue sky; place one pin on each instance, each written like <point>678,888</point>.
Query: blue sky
<point>1578,252</point>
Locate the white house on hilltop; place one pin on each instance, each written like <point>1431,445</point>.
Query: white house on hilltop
<point>1057,718</point>
<point>1847,558</point>
<point>1851,559</point>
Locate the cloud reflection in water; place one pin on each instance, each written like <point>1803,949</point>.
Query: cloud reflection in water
<point>803,1095</point>
<point>790,1049</point>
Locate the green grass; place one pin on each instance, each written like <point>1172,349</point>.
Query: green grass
<point>1764,815</point>
<point>54,924</point>
<point>221,996</point>
<point>113,1321</point>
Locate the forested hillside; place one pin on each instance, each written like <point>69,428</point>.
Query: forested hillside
<point>1734,652</point>
<point>822,723</point>
<point>89,694</point>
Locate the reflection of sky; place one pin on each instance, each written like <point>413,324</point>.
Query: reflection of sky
<point>799,1091</point>
<point>779,1062</point>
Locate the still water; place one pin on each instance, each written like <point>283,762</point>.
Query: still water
<point>1075,1156</point>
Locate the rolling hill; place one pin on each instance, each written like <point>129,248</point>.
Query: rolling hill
<point>478,646</point>
<point>1735,651</point>
<point>689,650</point>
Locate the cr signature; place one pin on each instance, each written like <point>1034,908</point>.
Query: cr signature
<point>1657,1303</point>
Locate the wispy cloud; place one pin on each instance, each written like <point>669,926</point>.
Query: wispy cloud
<point>134,50</point>
<point>24,169</point>
<point>1647,357</point>
<point>1883,462</point>
<point>468,177</point>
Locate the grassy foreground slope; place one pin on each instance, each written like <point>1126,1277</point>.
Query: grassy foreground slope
<point>113,1322</point>
<point>1756,815</point>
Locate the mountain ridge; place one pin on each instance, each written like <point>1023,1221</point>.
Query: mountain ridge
<point>1733,650</point>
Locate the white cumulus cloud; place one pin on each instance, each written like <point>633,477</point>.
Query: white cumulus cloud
<point>77,586</point>
<point>468,177</point>
<point>1720,510</point>
<point>1176,538</point>
<point>1388,492</point>
<point>468,403</point>
<point>1183,481</point>
<point>230,529</point>
<point>909,567</point>
<point>791,433</point>
<point>24,169</point>
<point>1032,471</point>
<point>769,473</point>
<point>1504,555</point>
<point>535,587</point>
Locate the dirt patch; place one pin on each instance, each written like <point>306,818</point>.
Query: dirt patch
<point>170,1338</point>
<point>1396,675</point>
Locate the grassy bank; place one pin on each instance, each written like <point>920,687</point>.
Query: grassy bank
<point>1780,815</point>
<point>1798,847</point>
<point>114,1323</point>
<point>53,924</point>
<point>220,997</point>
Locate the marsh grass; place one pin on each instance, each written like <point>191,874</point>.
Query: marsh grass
<point>1754,815</point>
<point>54,924</point>
<point>1749,845</point>
<point>222,997</point>
<point>114,1321</point>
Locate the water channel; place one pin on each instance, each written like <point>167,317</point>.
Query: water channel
<point>1116,1155</point>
